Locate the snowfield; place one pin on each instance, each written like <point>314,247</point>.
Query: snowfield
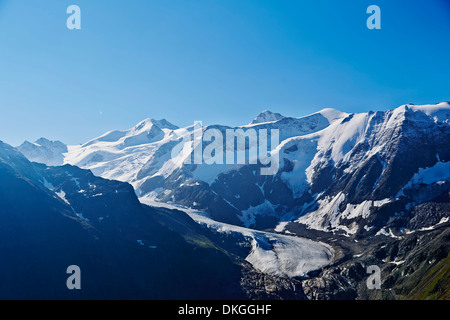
<point>271,253</point>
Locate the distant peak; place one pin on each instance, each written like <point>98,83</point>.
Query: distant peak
<point>332,114</point>
<point>143,123</point>
<point>44,142</point>
<point>162,124</point>
<point>267,116</point>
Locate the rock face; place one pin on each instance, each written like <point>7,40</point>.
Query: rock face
<point>339,283</point>
<point>260,286</point>
<point>415,267</point>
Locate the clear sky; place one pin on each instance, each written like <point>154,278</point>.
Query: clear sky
<point>218,61</point>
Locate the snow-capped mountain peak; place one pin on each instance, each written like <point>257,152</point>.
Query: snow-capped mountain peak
<point>332,114</point>
<point>267,116</point>
<point>44,151</point>
<point>147,123</point>
<point>146,131</point>
<point>439,112</point>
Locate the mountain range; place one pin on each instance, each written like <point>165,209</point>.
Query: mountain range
<point>334,168</point>
<point>366,187</point>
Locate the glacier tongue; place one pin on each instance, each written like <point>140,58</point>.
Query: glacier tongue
<point>271,253</point>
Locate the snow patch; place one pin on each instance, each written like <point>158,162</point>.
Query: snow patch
<point>249,215</point>
<point>439,173</point>
<point>62,195</point>
<point>48,185</point>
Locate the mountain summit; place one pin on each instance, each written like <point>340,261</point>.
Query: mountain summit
<point>267,116</point>
<point>44,151</point>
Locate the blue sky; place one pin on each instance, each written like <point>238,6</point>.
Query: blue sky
<point>218,61</point>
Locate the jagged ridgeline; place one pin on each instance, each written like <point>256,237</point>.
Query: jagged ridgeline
<point>335,169</point>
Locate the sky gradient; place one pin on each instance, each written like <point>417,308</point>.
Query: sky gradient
<point>216,61</point>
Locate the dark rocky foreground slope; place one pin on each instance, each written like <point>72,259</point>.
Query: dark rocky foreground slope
<point>54,217</point>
